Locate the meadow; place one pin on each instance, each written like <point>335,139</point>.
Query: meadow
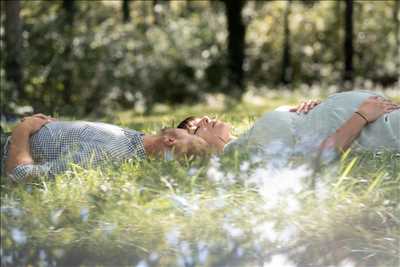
<point>229,210</point>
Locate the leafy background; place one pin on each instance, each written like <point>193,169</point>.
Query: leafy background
<point>175,52</point>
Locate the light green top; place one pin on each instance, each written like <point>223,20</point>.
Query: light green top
<point>282,132</point>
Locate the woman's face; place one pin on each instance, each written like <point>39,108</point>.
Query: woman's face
<point>216,133</point>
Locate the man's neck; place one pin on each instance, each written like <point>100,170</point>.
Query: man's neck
<point>152,145</point>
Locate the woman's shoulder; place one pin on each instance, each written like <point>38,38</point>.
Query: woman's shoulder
<point>271,127</point>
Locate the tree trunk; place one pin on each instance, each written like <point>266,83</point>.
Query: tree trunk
<point>339,28</point>
<point>155,13</point>
<point>397,34</point>
<point>69,10</point>
<point>348,42</point>
<point>13,45</point>
<point>190,7</point>
<point>125,11</point>
<point>236,45</point>
<point>286,75</point>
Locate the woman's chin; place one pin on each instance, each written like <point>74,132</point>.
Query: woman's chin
<point>231,138</point>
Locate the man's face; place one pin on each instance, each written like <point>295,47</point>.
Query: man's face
<point>190,144</point>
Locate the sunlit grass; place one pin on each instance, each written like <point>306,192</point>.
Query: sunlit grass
<point>227,211</point>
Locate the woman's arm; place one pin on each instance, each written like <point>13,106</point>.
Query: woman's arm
<point>345,135</point>
<point>369,111</point>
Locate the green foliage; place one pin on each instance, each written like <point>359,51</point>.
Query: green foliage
<point>316,40</point>
<point>176,52</point>
<point>114,62</point>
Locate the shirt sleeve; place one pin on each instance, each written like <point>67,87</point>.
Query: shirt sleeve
<point>25,171</point>
<point>84,155</point>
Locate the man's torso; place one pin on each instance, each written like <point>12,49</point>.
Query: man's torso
<point>59,138</point>
<point>59,143</point>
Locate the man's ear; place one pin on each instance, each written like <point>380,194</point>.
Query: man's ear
<point>169,140</point>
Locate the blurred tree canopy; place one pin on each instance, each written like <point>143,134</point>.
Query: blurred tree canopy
<point>80,57</point>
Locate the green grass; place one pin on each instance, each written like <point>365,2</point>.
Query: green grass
<point>227,211</point>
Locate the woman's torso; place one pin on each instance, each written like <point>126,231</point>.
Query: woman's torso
<point>312,128</point>
<point>279,132</point>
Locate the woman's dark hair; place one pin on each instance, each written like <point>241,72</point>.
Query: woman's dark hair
<point>185,123</point>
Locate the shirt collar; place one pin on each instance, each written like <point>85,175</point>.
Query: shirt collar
<point>137,143</point>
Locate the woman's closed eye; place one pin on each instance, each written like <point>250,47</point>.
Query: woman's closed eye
<point>213,122</point>
<point>195,131</point>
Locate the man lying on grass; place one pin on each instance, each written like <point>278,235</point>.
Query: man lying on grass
<point>42,146</point>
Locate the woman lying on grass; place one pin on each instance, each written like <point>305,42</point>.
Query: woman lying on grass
<point>365,119</point>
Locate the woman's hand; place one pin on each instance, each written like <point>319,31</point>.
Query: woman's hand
<point>374,107</point>
<point>305,106</point>
<point>33,123</point>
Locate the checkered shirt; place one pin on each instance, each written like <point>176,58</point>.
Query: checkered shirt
<point>59,144</point>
